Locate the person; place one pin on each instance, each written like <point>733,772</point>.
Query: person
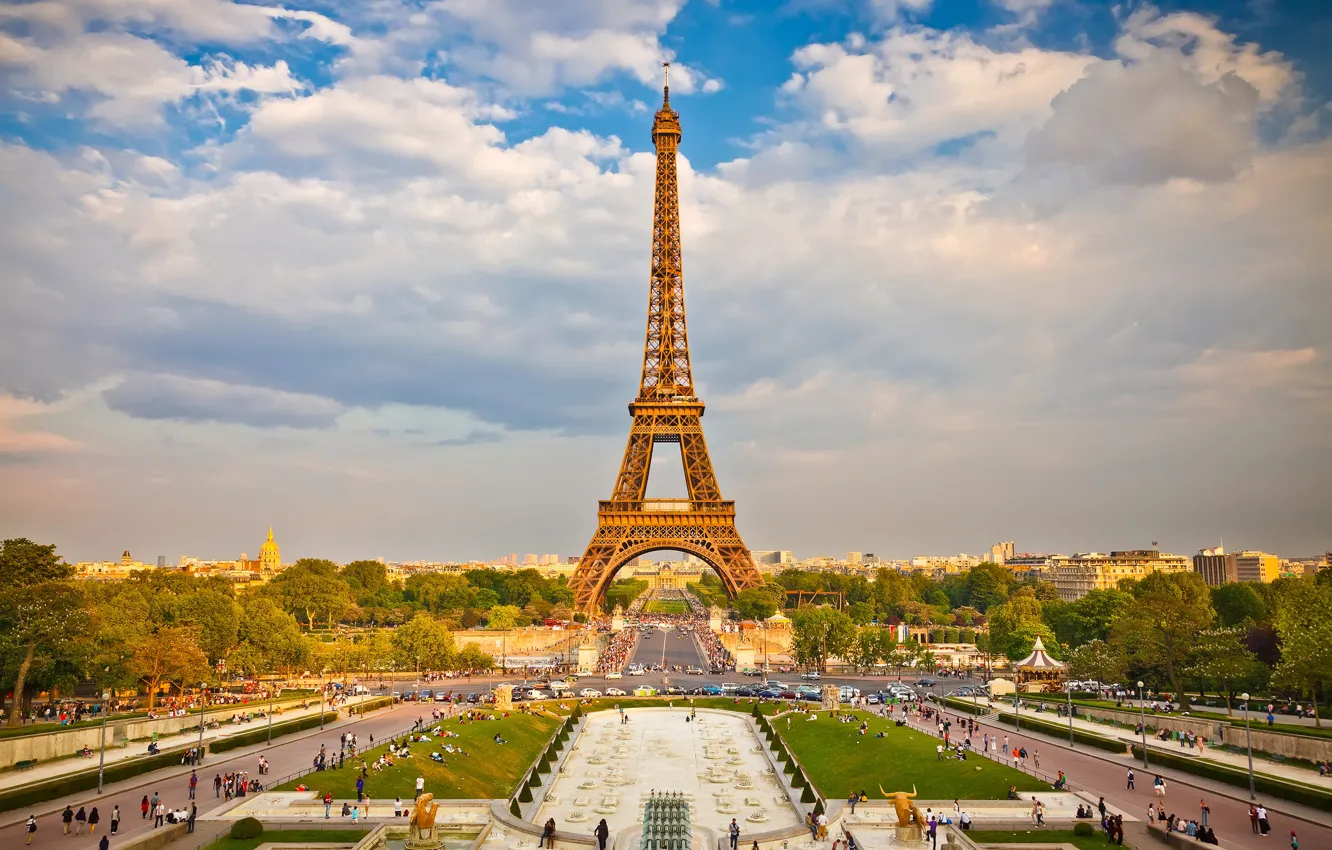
<point>194,813</point>
<point>602,832</point>
<point>1129,786</point>
<point>934,831</point>
<point>1159,786</point>
<point>217,785</point>
<point>851,800</point>
<point>1263,826</point>
<point>159,814</point>
<point>355,815</point>
<point>115,820</point>
<point>328,804</point>
<point>68,817</point>
<point>93,819</point>
<point>104,844</point>
<point>822,821</point>
<point>1206,812</point>
<point>31,829</point>
<point>80,818</point>
<point>548,833</point>
<point>194,782</point>
<point>397,807</point>
<point>965,820</point>
<point>1294,841</point>
<point>734,831</point>
<point>809,824</point>
<point>1100,806</point>
<point>420,786</point>
<point>1253,819</point>
<point>1151,814</point>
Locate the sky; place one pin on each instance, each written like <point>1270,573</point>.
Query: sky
<point>375,273</point>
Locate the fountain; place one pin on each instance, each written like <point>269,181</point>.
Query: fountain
<point>666,822</point>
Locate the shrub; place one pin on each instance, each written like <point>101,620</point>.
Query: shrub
<point>798,779</point>
<point>808,795</point>
<point>514,810</point>
<point>818,808</point>
<point>247,828</point>
<point>525,795</point>
<point>1084,829</point>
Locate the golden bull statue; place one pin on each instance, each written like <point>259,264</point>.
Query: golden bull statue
<point>906,810</point>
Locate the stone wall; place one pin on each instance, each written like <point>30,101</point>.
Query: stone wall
<point>517,641</point>
<point>1217,732</point>
<point>41,747</point>
<point>156,838</point>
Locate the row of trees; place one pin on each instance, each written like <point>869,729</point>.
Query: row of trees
<point>171,629</point>
<point>1169,629</point>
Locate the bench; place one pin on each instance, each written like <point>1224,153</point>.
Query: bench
<point>26,764</point>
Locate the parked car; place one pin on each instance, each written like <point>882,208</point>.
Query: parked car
<point>673,690</point>
<point>729,687</point>
<point>747,691</point>
<point>535,694</point>
<point>695,671</point>
<point>810,674</point>
<point>634,671</point>
<point>589,692</point>
<point>711,690</point>
<point>473,699</point>
<point>926,683</point>
<point>614,674</point>
<point>873,699</point>
<point>771,693</point>
<point>615,692</point>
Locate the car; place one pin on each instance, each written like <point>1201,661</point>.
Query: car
<point>747,691</point>
<point>729,687</point>
<point>751,671</point>
<point>535,694</point>
<point>583,674</point>
<point>811,674</point>
<point>395,694</point>
<point>673,690</point>
<point>926,683</point>
<point>614,674</point>
<point>589,692</point>
<point>635,671</point>
<point>711,690</point>
<point>873,699</point>
<point>694,671</point>
<point>473,698</point>
<point>615,692</point>
<point>781,686</point>
<point>771,693</point>
<point>645,691</point>
<point>807,689</point>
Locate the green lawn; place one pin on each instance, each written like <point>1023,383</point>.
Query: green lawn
<point>288,836</point>
<point>489,771</point>
<point>838,761</point>
<point>666,606</point>
<point>1038,836</point>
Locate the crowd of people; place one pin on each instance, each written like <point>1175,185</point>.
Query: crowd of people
<point>618,652</point>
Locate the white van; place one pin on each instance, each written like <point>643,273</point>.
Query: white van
<point>558,687</point>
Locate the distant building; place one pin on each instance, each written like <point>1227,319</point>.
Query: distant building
<point>1215,567</point>
<point>1002,553</point>
<point>1074,576</point>
<point>1257,567</point>
<point>853,558</point>
<point>161,562</point>
<point>270,557</point>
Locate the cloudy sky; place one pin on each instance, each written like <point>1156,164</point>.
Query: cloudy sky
<point>1053,271</point>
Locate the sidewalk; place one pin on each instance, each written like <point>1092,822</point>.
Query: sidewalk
<point>1240,761</point>
<point>56,768</point>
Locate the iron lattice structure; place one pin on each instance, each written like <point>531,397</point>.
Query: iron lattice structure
<point>666,411</point>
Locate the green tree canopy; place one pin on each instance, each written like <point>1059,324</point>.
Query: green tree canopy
<point>1158,630</point>
<point>818,633</point>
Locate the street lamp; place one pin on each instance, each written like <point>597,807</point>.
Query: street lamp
<point>1142,724</point>
<point>1248,742</point>
<point>1017,712</point>
<point>101,759</point>
<point>270,715</point>
<point>1069,688</point>
<point>321,703</point>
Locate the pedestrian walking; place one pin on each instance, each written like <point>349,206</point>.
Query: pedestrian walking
<point>217,785</point>
<point>1253,819</point>
<point>734,831</point>
<point>1263,826</point>
<point>1206,812</point>
<point>159,815</point>
<point>602,832</point>
<point>194,782</point>
<point>809,824</point>
<point>115,820</point>
<point>1130,779</point>
<point>420,786</point>
<point>68,817</point>
<point>1294,841</point>
<point>194,813</point>
<point>93,819</point>
<point>80,818</point>
<point>1151,814</point>
<point>1036,757</point>
<point>31,829</point>
<point>1159,786</point>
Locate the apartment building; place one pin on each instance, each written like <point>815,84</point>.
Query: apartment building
<point>1074,576</point>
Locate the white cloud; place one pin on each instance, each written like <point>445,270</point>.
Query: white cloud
<point>156,396</point>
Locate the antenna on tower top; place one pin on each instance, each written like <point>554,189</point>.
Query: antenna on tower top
<point>666,90</point>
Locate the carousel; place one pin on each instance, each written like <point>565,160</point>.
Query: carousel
<point>1039,672</point>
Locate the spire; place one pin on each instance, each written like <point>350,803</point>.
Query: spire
<point>666,369</point>
<point>270,534</point>
<point>666,88</point>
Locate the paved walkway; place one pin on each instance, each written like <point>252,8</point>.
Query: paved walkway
<point>287,755</point>
<point>1239,761</point>
<point>1103,773</point>
<point>55,768</point>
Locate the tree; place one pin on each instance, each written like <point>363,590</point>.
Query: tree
<point>41,613</point>
<point>755,603</point>
<point>218,617</point>
<point>1305,629</point>
<point>1221,659</point>
<point>472,658</point>
<point>818,633</point>
<point>274,634</point>
<point>1015,624</point>
<point>868,647</point>
<point>423,642</point>
<point>988,585</point>
<point>167,655</point>
<point>365,578</point>
<point>1096,660</point>
<point>505,617</point>
<point>1238,603</point>
<point>1159,628</point>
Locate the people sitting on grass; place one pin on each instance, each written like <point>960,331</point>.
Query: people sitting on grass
<point>499,739</point>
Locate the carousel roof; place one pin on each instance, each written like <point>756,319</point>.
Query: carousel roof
<point>1039,658</point>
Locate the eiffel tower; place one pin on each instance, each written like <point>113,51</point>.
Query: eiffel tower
<point>666,411</point>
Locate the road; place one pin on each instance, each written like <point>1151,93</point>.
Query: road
<point>286,756</point>
<point>668,648</point>
<point>1102,773</point>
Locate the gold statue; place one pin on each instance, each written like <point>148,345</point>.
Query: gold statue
<point>906,810</point>
<point>423,816</point>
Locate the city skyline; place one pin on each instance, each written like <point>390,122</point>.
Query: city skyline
<point>376,276</point>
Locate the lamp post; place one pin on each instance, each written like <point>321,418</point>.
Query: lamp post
<point>321,704</point>
<point>270,715</point>
<point>1070,714</point>
<point>101,759</point>
<point>1142,724</point>
<point>361,710</point>
<point>1017,711</point>
<point>1248,742</point>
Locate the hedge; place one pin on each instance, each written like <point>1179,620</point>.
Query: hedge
<point>514,810</point>
<point>808,796</point>
<point>1308,795</point>
<point>965,705</point>
<point>247,828</point>
<point>1080,736</point>
<point>371,705</point>
<point>525,795</point>
<point>73,783</point>
<point>254,736</point>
